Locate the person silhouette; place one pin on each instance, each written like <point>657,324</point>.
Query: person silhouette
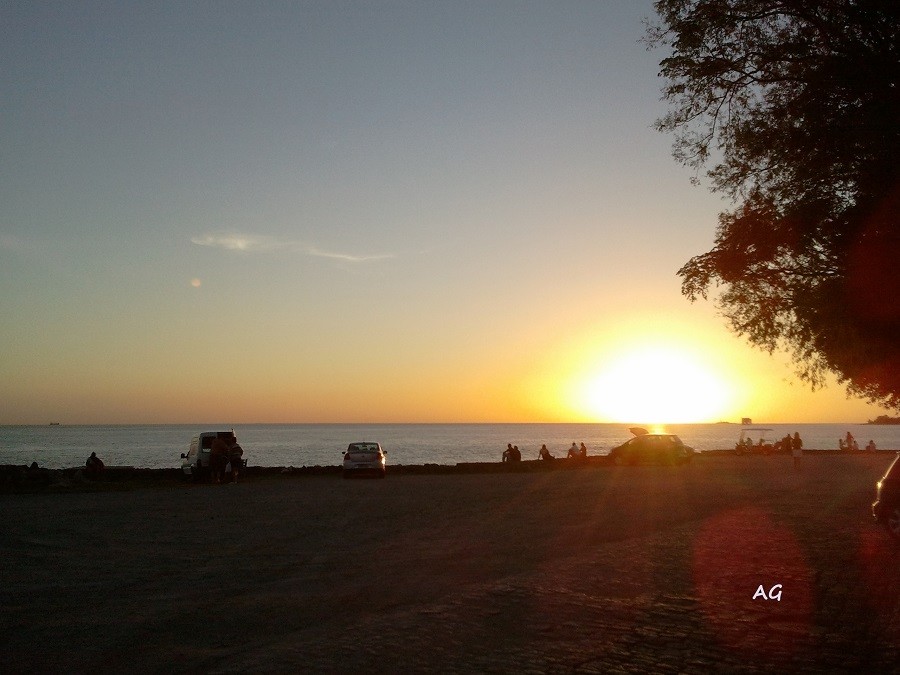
<point>796,448</point>
<point>219,456</point>
<point>94,466</point>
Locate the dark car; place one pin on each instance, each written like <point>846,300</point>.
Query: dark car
<point>886,508</point>
<point>646,448</point>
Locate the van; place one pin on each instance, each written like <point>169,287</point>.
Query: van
<point>195,464</point>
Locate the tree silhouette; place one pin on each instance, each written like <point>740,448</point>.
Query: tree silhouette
<point>792,108</point>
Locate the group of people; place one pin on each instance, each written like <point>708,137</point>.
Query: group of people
<point>849,444</point>
<point>225,458</point>
<point>577,453</point>
<point>795,445</point>
<point>790,443</point>
<point>512,453</point>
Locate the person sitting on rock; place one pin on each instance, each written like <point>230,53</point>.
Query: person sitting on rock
<point>544,453</point>
<point>94,466</point>
<point>37,474</point>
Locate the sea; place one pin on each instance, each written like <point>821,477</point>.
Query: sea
<point>160,446</point>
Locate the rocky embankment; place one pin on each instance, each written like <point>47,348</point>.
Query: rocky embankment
<point>22,478</point>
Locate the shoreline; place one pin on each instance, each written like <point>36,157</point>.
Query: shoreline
<point>20,478</point>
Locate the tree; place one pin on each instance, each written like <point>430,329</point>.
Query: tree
<point>792,107</point>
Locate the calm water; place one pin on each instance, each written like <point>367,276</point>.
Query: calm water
<point>159,446</point>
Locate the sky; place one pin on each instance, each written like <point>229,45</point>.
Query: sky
<point>356,212</point>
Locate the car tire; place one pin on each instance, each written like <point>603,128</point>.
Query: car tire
<point>892,522</point>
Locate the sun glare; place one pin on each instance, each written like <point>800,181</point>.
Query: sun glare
<point>654,384</point>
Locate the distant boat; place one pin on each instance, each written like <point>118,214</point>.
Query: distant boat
<point>54,424</point>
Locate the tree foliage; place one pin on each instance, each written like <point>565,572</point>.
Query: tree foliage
<point>792,108</point>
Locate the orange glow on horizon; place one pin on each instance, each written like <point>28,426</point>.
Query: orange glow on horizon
<point>650,380</point>
<point>655,384</point>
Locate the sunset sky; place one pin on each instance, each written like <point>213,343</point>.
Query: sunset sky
<point>356,212</point>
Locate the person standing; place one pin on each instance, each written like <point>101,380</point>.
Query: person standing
<point>218,458</point>
<point>235,457</point>
<point>796,449</point>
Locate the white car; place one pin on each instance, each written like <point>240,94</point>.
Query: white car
<point>364,458</point>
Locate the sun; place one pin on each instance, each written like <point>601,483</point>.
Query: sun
<point>653,384</point>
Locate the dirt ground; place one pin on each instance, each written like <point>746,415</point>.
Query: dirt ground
<point>601,569</point>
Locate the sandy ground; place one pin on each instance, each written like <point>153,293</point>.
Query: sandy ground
<point>602,569</point>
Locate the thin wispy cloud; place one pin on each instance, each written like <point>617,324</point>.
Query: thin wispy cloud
<point>238,242</point>
<point>253,243</point>
<point>318,253</point>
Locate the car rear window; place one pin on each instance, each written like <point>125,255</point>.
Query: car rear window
<point>363,447</point>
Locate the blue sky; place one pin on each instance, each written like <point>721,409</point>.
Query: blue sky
<point>286,204</point>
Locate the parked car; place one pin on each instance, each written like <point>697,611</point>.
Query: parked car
<point>195,463</point>
<point>364,458</point>
<point>647,448</point>
<point>886,508</point>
